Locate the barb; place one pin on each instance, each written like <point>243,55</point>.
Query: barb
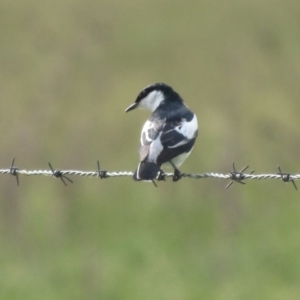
<point>101,174</point>
<point>14,171</point>
<point>237,176</point>
<point>59,174</point>
<point>286,177</point>
<point>234,175</point>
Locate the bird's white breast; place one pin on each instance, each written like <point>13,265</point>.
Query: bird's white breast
<point>178,160</point>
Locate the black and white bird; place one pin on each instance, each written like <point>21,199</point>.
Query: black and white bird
<point>168,136</point>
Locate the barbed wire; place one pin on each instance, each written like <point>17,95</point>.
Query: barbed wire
<point>234,175</point>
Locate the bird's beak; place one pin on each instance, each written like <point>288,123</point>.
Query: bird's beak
<point>131,107</point>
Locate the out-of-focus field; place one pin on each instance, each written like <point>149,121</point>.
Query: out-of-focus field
<point>68,71</point>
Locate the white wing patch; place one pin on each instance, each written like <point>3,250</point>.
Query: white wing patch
<point>145,131</point>
<point>187,129</point>
<point>155,149</point>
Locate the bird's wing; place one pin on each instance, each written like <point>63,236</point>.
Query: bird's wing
<point>150,132</point>
<point>177,137</point>
<point>162,141</point>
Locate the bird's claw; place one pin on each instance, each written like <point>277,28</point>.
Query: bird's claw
<point>161,176</point>
<point>176,175</point>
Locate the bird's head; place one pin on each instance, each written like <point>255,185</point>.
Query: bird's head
<point>152,96</point>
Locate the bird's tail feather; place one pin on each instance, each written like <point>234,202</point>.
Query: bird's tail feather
<point>146,171</point>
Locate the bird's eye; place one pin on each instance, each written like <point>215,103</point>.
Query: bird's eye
<point>142,95</point>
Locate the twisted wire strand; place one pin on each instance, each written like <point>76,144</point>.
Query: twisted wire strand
<point>108,174</point>
<point>234,175</point>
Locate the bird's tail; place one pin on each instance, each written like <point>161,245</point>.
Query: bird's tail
<point>146,171</point>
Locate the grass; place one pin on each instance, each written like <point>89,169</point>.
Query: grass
<point>68,71</point>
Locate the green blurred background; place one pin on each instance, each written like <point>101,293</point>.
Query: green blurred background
<point>68,71</point>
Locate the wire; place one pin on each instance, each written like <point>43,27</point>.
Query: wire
<point>234,175</point>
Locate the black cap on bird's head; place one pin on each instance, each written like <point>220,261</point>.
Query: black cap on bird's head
<point>152,96</point>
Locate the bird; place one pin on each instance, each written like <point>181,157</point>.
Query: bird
<point>168,136</point>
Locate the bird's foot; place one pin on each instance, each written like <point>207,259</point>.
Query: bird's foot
<point>161,175</point>
<point>177,174</point>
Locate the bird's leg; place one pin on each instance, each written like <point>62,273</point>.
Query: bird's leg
<point>177,173</point>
